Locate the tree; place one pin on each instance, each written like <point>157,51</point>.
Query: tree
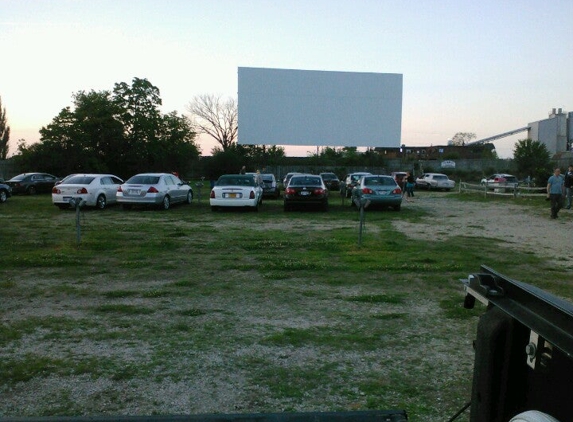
<point>463,138</point>
<point>215,117</point>
<point>532,159</point>
<point>121,132</point>
<point>4,132</point>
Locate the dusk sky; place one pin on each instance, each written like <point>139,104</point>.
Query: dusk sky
<point>484,67</point>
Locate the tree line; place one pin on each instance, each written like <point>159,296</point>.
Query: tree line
<point>122,131</point>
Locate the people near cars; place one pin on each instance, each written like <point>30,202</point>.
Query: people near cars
<point>555,191</point>
<point>568,186</point>
<point>409,186</point>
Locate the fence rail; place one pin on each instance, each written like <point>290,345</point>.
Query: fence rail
<point>510,189</point>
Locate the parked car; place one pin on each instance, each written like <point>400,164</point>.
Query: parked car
<point>32,183</point>
<point>350,181</point>
<point>270,186</point>
<point>331,181</point>
<point>160,189</point>
<point>236,190</point>
<point>377,190</point>
<point>435,181</point>
<point>448,164</point>
<point>500,180</point>
<point>306,190</point>
<point>287,177</point>
<point>98,190</point>
<point>399,177</point>
<point>5,192</point>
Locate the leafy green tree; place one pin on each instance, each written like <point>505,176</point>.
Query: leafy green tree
<point>121,132</point>
<point>532,159</point>
<point>4,132</point>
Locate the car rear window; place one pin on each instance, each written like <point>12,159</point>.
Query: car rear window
<point>306,181</point>
<point>440,177</point>
<point>79,180</point>
<point>236,181</point>
<point>143,180</point>
<point>379,181</point>
<point>329,176</point>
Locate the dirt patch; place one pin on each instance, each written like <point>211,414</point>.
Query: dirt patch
<point>518,227</point>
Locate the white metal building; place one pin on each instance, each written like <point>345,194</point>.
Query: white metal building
<point>555,132</point>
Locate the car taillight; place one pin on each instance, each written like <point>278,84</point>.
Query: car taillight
<point>367,191</point>
<point>212,194</point>
<point>56,190</point>
<point>152,189</point>
<point>82,191</point>
<point>290,191</point>
<point>319,191</point>
<point>397,191</point>
<point>119,189</point>
<point>252,195</point>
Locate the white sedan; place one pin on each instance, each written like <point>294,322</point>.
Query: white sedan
<point>435,181</point>
<point>156,189</point>
<point>97,190</point>
<point>236,190</point>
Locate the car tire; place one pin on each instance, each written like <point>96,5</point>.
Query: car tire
<point>397,207</point>
<point>63,206</point>
<point>325,207</point>
<point>166,203</point>
<point>32,190</point>
<point>101,202</point>
<point>189,198</point>
<point>213,209</point>
<point>3,196</point>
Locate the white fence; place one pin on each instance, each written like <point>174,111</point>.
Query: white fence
<point>508,189</point>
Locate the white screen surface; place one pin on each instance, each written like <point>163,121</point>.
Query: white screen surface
<point>323,108</point>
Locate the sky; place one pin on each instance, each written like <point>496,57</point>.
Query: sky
<point>483,67</point>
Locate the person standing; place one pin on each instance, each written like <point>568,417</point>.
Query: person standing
<point>568,186</point>
<point>243,170</point>
<point>555,190</point>
<point>409,186</point>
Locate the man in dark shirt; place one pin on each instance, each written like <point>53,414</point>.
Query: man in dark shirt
<point>568,185</point>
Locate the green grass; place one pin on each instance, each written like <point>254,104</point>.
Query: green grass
<point>283,308</point>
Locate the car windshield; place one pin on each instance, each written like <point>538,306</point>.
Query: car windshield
<point>236,181</point>
<point>305,181</point>
<point>79,180</point>
<point>267,179</point>
<point>143,180</point>
<point>379,181</point>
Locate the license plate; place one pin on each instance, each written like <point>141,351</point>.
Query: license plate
<point>304,193</point>
<point>134,191</point>
<point>233,195</point>
<point>67,198</point>
<point>382,192</point>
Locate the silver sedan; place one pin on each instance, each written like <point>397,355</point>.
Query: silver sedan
<point>158,189</point>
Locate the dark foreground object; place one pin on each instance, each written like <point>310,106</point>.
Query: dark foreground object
<point>523,350</point>
<point>362,416</point>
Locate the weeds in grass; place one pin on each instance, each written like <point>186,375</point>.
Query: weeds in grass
<point>287,304</point>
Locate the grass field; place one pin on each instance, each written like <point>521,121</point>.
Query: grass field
<point>187,311</point>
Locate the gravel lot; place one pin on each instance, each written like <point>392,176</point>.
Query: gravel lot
<point>221,388</point>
